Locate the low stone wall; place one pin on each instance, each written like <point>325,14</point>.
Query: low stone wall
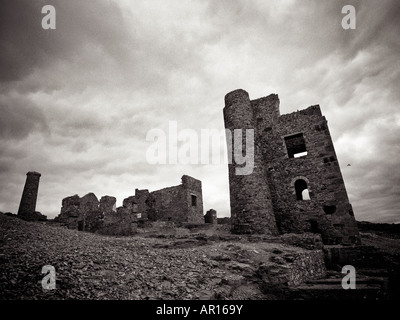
<point>305,240</point>
<point>293,270</point>
<point>117,224</point>
<point>358,256</point>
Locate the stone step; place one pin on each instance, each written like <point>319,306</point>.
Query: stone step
<point>331,289</point>
<point>363,280</point>
<point>373,272</point>
<point>338,286</point>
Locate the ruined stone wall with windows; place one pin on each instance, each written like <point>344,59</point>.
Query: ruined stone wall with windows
<point>298,164</point>
<point>193,197</point>
<point>180,204</point>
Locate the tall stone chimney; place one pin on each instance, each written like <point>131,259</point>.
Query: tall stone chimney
<point>27,206</point>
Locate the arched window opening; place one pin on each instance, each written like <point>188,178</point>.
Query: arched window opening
<point>301,190</point>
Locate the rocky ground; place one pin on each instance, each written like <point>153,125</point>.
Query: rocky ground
<point>176,264</point>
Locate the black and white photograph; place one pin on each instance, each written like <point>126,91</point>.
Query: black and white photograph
<point>201,156</point>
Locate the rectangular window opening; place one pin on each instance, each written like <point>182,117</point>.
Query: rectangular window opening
<point>194,200</point>
<point>296,146</point>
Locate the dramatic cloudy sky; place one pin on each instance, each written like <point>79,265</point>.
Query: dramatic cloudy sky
<point>77,102</point>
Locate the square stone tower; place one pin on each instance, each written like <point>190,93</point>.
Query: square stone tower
<point>296,185</point>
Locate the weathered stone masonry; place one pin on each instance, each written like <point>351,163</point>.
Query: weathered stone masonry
<point>211,217</point>
<point>27,206</point>
<point>89,214</point>
<point>179,204</point>
<point>296,185</point>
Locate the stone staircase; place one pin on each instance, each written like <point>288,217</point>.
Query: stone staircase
<point>371,284</point>
<point>373,281</point>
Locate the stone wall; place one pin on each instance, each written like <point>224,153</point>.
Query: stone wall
<point>358,256</point>
<point>169,204</point>
<point>179,204</point>
<point>108,204</point>
<point>211,217</point>
<point>142,198</point>
<point>328,211</point>
<point>70,212</point>
<point>297,185</point>
<point>118,224</point>
<point>90,214</point>
<point>296,269</point>
<point>193,197</point>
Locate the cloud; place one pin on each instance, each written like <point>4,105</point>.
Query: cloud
<point>27,47</point>
<point>76,102</point>
<point>20,116</point>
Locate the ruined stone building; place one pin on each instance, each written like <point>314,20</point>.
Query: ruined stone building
<point>296,184</point>
<point>180,204</point>
<point>87,213</point>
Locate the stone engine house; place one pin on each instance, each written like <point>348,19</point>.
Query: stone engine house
<point>296,184</point>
